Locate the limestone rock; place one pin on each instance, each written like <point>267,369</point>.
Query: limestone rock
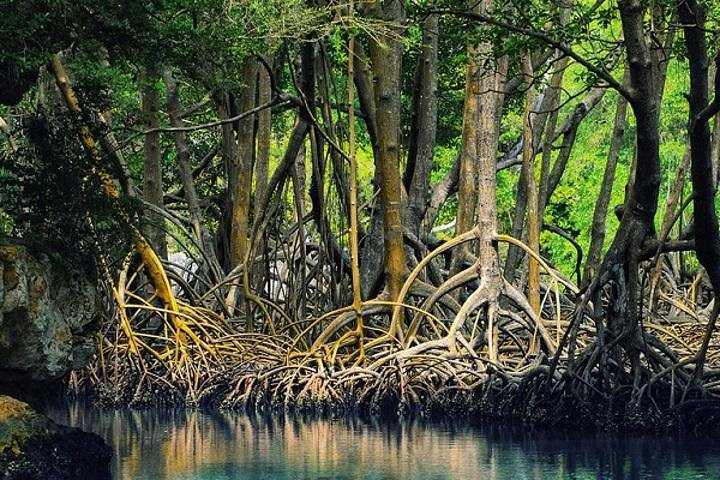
<point>49,315</point>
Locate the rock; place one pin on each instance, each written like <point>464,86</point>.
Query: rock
<point>19,423</point>
<point>49,317</point>
<point>33,447</point>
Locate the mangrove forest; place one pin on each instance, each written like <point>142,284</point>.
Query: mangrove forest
<point>497,210</point>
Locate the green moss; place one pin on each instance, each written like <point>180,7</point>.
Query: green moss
<point>20,423</point>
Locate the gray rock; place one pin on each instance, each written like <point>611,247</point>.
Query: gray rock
<point>49,315</point>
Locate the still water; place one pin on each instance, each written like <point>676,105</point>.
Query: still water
<point>185,445</point>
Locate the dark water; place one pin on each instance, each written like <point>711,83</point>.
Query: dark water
<point>181,445</point>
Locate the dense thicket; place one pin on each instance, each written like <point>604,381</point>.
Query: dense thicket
<point>378,203</point>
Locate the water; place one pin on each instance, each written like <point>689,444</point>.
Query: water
<point>179,445</point>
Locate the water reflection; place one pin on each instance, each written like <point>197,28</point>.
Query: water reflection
<point>181,445</point>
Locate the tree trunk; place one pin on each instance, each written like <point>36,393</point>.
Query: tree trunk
<point>488,116</point>
<point>245,160</point>
<point>423,127</point>
<point>228,149</point>
<point>541,106</point>
<point>621,261</point>
<point>386,55</point>
<point>441,191</point>
<point>467,172</point>
<point>707,237</point>
<point>597,235</point>
<point>298,183</point>
<point>372,248</point>
<point>264,134</point>
<point>152,164</point>
<point>715,156</point>
<point>182,152</point>
<point>528,178</point>
<point>546,169</point>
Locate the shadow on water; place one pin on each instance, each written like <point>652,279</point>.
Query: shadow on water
<point>191,445</point>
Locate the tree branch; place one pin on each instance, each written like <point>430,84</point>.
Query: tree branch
<point>561,46</point>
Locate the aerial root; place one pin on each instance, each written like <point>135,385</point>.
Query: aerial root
<point>190,353</point>
<point>472,340</point>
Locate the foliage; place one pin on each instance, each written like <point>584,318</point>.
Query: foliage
<point>51,197</point>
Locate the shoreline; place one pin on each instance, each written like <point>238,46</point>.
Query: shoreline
<point>485,405</point>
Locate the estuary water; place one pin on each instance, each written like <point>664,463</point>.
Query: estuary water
<point>190,445</point>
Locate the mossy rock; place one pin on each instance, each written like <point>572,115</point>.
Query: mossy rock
<point>49,318</point>
<point>34,447</point>
<point>20,423</point>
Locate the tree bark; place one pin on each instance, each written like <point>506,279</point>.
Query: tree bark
<point>528,178</point>
<point>441,191</point>
<point>152,163</point>
<point>597,234</point>
<point>488,121</point>
<point>372,243</point>
<point>228,149</point>
<point>245,160</point>
<point>707,244</point>
<point>621,261</point>
<point>467,172</point>
<point>386,55</point>
<point>264,133</point>
<point>536,127</point>
<point>182,153</point>
<point>423,127</point>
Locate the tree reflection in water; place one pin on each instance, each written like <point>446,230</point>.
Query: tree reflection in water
<point>190,445</point>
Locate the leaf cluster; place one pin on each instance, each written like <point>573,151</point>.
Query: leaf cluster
<point>52,197</point>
